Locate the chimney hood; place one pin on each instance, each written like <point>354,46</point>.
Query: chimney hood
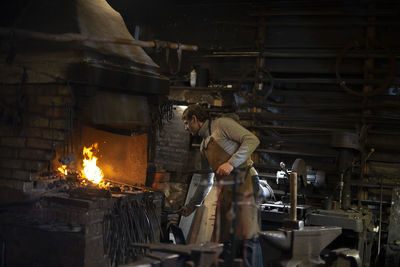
<point>113,66</point>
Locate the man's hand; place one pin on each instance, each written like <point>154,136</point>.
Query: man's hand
<point>224,169</point>
<point>185,211</point>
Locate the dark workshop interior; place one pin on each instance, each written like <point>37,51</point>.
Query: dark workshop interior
<point>95,162</point>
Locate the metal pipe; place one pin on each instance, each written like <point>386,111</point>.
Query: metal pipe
<point>312,24</point>
<point>375,141</point>
<point>200,88</point>
<point>3,253</point>
<point>371,185</point>
<point>380,220</point>
<point>292,55</point>
<point>336,106</point>
<point>307,80</point>
<point>235,218</point>
<point>287,143</point>
<point>344,164</point>
<point>293,196</point>
<point>323,118</point>
<point>322,12</point>
<point>77,37</point>
<point>274,151</point>
<point>287,127</point>
<point>375,168</point>
<point>383,142</point>
<point>341,190</point>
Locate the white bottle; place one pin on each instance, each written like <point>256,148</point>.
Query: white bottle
<point>193,77</point>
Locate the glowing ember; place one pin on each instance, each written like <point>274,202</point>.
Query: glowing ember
<point>90,170</point>
<point>63,169</point>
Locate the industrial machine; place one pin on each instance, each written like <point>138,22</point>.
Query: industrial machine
<point>298,235</point>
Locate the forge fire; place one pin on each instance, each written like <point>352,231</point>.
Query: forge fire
<point>90,171</point>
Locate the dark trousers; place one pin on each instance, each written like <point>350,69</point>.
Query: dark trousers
<point>249,250</point>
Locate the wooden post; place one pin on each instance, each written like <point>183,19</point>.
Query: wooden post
<point>293,196</point>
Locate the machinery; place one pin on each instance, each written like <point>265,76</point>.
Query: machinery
<point>309,176</point>
<point>297,235</point>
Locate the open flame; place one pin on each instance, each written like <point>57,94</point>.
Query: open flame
<point>63,169</point>
<point>90,172</point>
<point>90,169</point>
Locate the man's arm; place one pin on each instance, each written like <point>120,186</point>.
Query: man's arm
<point>247,141</point>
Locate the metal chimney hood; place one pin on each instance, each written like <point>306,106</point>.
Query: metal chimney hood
<point>106,65</point>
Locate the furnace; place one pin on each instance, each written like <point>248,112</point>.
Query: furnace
<point>75,138</point>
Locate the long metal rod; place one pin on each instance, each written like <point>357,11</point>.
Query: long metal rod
<point>311,24</point>
<point>76,37</point>
<point>202,88</point>
<point>333,106</point>
<point>318,129</point>
<point>314,118</point>
<point>293,55</point>
<point>322,129</point>
<point>3,253</point>
<point>341,13</point>
<point>235,219</point>
<point>380,219</point>
<point>341,190</point>
<point>308,80</point>
<point>274,151</point>
<point>268,4</point>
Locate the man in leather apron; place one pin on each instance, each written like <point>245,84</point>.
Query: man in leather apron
<point>226,148</point>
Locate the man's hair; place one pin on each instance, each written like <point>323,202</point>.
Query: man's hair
<point>196,110</point>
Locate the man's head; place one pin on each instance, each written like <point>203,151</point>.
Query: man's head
<point>194,117</point>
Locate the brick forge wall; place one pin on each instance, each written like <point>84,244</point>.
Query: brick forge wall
<point>32,127</point>
<point>80,232</point>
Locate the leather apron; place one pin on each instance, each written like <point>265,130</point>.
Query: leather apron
<point>247,213</point>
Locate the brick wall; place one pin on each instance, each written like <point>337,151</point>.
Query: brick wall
<point>172,144</point>
<point>61,230</point>
<point>32,127</point>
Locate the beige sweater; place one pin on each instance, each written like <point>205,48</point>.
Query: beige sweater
<point>236,140</point>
